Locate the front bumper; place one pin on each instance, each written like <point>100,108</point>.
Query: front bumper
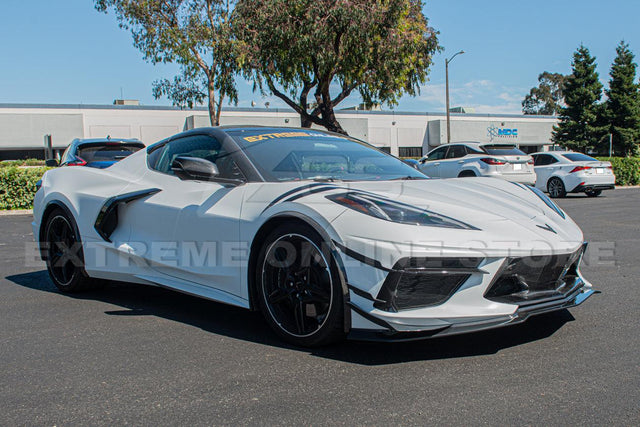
<point>455,328</point>
<point>468,308</point>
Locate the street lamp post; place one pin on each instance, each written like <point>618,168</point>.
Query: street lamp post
<point>446,64</point>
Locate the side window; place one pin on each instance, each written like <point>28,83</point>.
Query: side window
<point>456,151</point>
<point>471,150</point>
<point>543,160</point>
<point>437,154</point>
<point>200,146</point>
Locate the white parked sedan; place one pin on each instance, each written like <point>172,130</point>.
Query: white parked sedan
<point>562,172</point>
<point>469,159</point>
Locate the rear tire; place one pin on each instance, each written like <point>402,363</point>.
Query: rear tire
<point>556,188</point>
<point>593,193</point>
<point>298,287</point>
<point>467,174</point>
<point>63,253</point>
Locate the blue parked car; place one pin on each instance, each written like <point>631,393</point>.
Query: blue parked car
<point>97,153</point>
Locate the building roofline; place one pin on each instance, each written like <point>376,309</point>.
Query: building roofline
<point>259,110</point>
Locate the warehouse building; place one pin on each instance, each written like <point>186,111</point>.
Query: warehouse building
<point>23,126</point>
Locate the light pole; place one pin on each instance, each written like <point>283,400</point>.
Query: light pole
<point>446,64</point>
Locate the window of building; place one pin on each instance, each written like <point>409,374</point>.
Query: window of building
<point>410,151</point>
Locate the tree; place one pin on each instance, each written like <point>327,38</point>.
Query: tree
<point>547,97</point>
<point>379,48</point>
<point>579,126</point>
<point>623,103</point>
<point>196,34</point>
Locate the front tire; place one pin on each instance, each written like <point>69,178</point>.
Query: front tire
<point>63,253</point>
<point>299,289</point>
<point>593,193</point>
<point>556,188</point>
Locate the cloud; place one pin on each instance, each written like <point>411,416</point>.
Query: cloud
<point>485,96</point>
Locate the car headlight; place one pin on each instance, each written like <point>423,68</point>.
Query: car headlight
<point>389,210</point>
<point>547,201</point>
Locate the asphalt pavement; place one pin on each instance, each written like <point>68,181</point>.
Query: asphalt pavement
<point>134,355</point>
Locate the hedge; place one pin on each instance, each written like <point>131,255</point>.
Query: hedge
<point>626,169</point>
<point>25,162</point>
<point>18,186</point>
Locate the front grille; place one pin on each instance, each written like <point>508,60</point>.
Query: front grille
<point>424,282</point>
<point>530,279</point>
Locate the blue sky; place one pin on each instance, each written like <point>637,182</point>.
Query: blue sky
<point>65,52</point>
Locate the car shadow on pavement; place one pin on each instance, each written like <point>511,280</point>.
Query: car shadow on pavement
<point>241,324</point>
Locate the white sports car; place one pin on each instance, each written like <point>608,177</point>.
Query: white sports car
<point>324,234</point>
<point>562,172</point>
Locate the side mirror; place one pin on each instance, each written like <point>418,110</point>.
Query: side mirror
<point>197,169</point>
<point>52,163</point>
<point>194,168</point>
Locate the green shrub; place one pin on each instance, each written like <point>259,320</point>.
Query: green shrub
<point>18,186</point>
<point>24,162</point>
<point>626,169</point>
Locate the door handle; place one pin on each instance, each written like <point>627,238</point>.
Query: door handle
<point>436,164</point>
<point>460,161</point>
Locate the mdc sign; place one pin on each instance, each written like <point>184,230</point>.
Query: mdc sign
<point>496,132</point>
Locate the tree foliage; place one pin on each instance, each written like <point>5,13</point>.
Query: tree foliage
<point>580,127</point>
<point>327,49</point>
<point>546,98</point>
<point>196,34</point>
<point>623,103</point>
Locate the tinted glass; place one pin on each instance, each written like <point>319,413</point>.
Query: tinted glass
<point>102,153</point>
<point>543,160</point>
<point>456,151</point>
<point>502,150</point>
<point>540,159</point>
<point>199,146</point>
<point>290,155</point>
<point>471,150</point>
<point>579,157</point>
<point>437,154</point>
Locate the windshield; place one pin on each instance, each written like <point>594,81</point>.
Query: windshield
<point>578,157</point>
<point>502,150</point>
<point>292,155</point>
<point>101,153</point>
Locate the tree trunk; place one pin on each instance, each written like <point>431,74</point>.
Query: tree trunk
<point>305,121</point>
<point>329,120</point>
<point>214,117</point>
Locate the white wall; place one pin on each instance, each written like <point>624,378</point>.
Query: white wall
<point>24,126</point>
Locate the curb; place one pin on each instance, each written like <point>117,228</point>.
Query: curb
<point>16,212</point>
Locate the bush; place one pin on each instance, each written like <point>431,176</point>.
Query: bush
<point>626,169</point>
<point>26,162</point>
<point>18,186</point>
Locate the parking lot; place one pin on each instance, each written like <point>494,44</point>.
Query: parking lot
<point>130,354</point>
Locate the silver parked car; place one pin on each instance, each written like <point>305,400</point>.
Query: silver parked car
<point>469,159</point>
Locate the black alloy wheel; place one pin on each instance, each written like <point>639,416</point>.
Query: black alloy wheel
<point>300,293</point>
<point>63,253</point>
